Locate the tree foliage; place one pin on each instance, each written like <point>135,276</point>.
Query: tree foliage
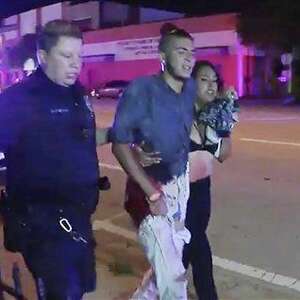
<point>26,48</point>
<point>271,23</point>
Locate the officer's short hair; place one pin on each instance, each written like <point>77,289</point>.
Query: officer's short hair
<point>53,30</point>
<point>168,32</point>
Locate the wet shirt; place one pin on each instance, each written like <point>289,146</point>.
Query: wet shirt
<point>151,111</point>
<point>47,133</point>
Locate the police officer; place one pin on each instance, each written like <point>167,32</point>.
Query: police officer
<point>48,136</point>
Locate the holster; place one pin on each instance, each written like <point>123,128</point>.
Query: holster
<point>15,226</point>
<point>104,183</point>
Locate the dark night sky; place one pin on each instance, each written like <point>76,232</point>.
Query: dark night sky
<point>191,7</point>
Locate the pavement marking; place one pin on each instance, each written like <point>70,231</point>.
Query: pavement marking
<point>257,273</point>
<point>112,167</point>
<point>270,142</point>
<point>226,264</point>
<point>229,265</point>
<point>292,118</point>
<point>114,217</point>
<point>110,227</point>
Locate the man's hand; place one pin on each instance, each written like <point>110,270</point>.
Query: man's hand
<point>157,204</point>
<point>133,168</point>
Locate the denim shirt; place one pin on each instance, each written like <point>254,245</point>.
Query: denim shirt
<point>151,111</point>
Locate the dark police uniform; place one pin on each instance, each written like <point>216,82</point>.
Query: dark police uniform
<point>47,133</point>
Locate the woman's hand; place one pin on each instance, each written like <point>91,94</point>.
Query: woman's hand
<point>229,93</point>
<point>146,159</point>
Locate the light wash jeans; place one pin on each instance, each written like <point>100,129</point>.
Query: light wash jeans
<point>163,238</point>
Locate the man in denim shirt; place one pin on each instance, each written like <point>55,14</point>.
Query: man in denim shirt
<point>157,112</point>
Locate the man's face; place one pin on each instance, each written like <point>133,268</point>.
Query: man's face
<point>179,58</point>
<point>62,64</point>
<point>207,84</point>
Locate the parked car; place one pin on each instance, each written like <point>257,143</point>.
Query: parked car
<point>111,89</point>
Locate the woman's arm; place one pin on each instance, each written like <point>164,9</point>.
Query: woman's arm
<point>226,149</point>
<point>220,148</point>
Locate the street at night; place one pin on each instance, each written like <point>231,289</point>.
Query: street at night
<point>254,226</point>
<point>212,88</point>
<point>255,203</point>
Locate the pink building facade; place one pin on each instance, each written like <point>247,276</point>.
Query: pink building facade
<point>124,53</point>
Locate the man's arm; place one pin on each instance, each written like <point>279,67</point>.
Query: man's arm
<point>154,196</point>
<point>124,155</point>
<point>130,113</point>
<point>103,136</point>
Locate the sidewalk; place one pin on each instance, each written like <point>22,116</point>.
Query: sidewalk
<point>120,265</point>
<point>230,287</point>
<point>112,286</point>
<point>124,257</point>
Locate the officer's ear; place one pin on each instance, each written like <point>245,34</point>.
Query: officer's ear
<point>42,56</point>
